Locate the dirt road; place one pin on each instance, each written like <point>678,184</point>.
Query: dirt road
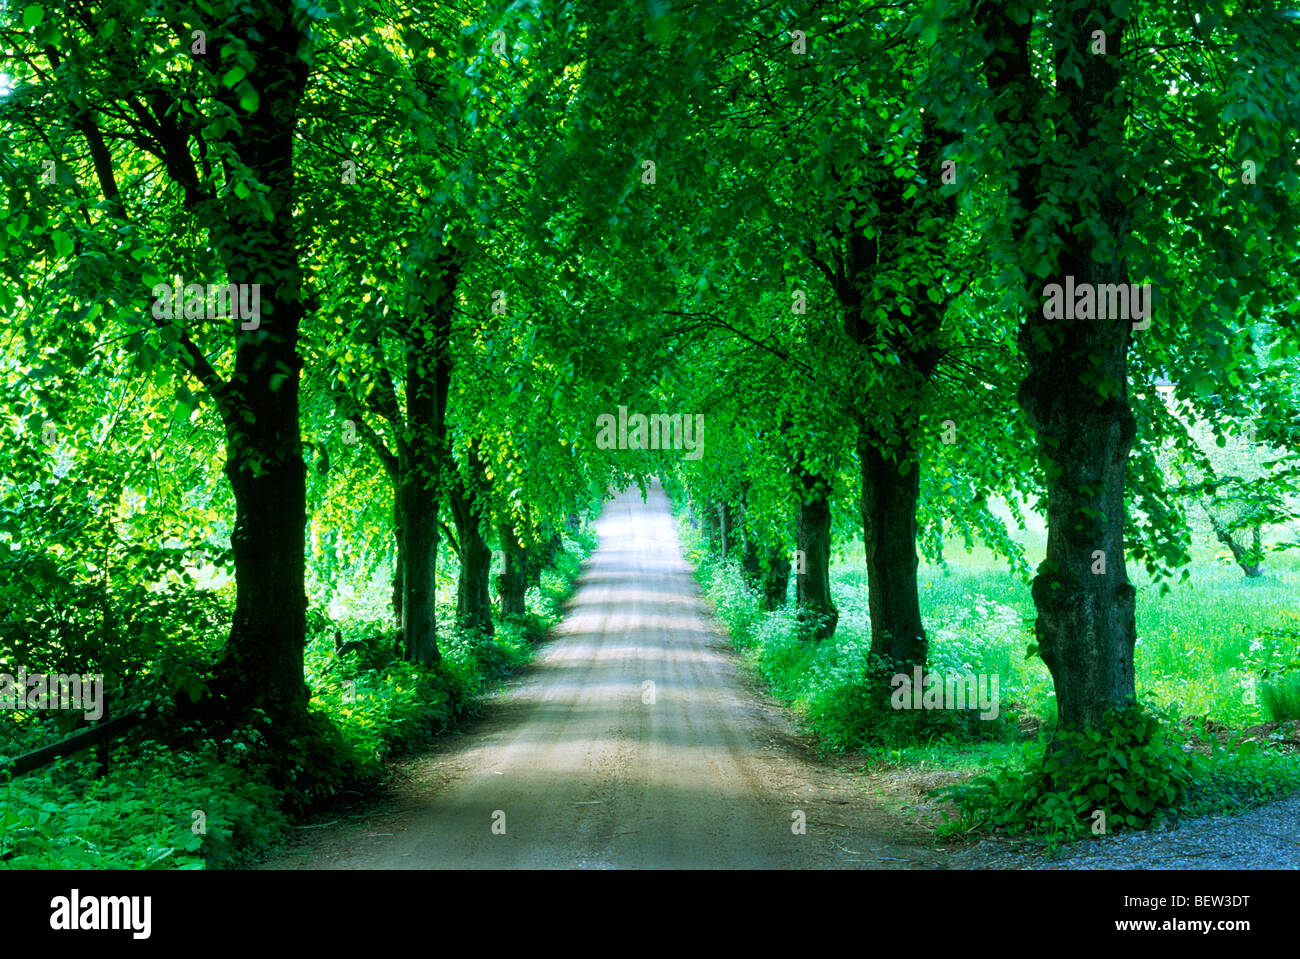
<point>633,741</point>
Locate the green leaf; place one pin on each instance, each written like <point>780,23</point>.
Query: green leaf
<point>63,245</point>
<point>32,16</point>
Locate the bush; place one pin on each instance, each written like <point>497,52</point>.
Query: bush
<point>841,689</point>
<point>1239,776</point>
<point>367,706</point>
<point>1126,771</point>
<point>181,809</point>
<point>1282,697</point>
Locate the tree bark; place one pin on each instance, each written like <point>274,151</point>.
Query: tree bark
<point>1248,558</point>
<point>751,564</point>
<point>776,578</point>
<point>512,583</point>
<point>262,661</point>
<point>890,467</point>
<point>1075,393</point>
<point>891,489</point>
<point>812,566</point>
<point>422,457</point>
<point>712,526</point>
<point>474,586</point>
<point>418,558</point>
<point>726,529</point>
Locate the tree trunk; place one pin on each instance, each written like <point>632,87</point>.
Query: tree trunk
<point>512,584</point>
<point>890,467</point>
<point>416,493</point>
<point>776,578</point>
<point>1256,550</point>
<point>712,527</point>
<point>1248,558</point>
<point>419,561</point>
<point>262,662</point>
<point>813,561</point>
<point>1086,605</point>
<point>891,488</point>
<point>422,448</point>
<point>474,587</point>
<point>751,565</point>
<point>1075,394</point>
<point>544,559</point>
<point>726,529</point>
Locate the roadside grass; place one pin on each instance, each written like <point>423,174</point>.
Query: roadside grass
<point>214,805</point>
<point>1218,648</point>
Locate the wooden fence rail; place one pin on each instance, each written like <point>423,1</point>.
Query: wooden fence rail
<point>99,734</point>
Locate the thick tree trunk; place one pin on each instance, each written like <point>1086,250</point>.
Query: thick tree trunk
<point>1075,393</point>
<point>891,488</point>
<point>421,449</point>
<point>813,561</point>
<point>512,583</point>
<point>473,591</point>
<point>419,561</point>
<point>416,493</point>
<point>890,468</point>
<point>262,662</point>
<point>1085,628</point>
<point>776,578</point>
<point>474,587</point>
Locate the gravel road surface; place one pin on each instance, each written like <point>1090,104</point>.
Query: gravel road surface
<point>634,741</point>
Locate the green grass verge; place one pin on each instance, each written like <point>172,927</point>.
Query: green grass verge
<point>1218,646</point>
<point>214,805</point>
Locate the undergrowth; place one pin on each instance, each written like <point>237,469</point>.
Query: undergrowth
<point>222,800</point>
